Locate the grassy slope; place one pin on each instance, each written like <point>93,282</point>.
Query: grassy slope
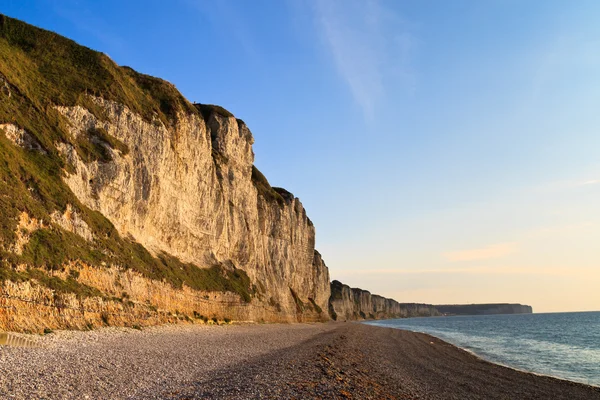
<point>44,69</point>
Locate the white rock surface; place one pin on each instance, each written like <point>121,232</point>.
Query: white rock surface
<point>187,190</point>
<point>21,138</point>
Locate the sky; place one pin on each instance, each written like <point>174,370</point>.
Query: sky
<point>447,151</point>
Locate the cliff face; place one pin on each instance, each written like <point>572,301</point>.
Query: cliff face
<point>122,201</point>
<point>484,309</point>
<point>354,304</point>
<point>188,191</point>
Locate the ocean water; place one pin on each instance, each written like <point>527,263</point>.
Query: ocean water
<point>563,345</point>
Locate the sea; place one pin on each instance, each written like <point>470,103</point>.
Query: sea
<point>563,345</point>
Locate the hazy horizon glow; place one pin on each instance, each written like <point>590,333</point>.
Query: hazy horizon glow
<point>447,152</point>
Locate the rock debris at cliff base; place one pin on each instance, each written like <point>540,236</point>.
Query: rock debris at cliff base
<point>268,361</point>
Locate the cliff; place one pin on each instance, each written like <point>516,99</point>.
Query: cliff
<point>484,309</point>
<point>355,304</point>
<point>122,203</point>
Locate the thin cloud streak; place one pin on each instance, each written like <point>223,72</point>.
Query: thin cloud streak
<point>486,253</point>
<point>465,271</point>
<point>550,231</point>
<point>552,187</point>
<point>367,47</point>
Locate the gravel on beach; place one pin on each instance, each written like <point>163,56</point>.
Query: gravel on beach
<point>270,361</point>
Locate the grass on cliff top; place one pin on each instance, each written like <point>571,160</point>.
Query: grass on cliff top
<point>336,290</point>
<point>40,69</point>
<point>207,109</point>
<point>50,69</point>
<point>264,188</point>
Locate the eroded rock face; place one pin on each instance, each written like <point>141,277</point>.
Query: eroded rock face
<point>26,226</point>
<point>187,190</point>
<point>72,222</point>
<point>5,87</point>
<point>21,138</point>
<point>354,304</point>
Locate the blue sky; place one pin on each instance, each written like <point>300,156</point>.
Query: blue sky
<point>448,152</point>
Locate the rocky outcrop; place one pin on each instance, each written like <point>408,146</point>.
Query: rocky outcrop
<point>20,137</point>
<point>355,304</point>
<point>484,309</point>
<point>72,222</point>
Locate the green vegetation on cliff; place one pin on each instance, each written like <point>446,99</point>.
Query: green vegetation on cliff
<point>207,109</point>
<point>50,69</point>
<point>264,188</point>
<point>39,70</point>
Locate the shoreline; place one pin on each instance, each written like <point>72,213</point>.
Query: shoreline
<point>485,359</point>
<point>524,371</point>
<point>270,361</point>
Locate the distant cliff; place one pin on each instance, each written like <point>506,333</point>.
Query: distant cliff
<point>483,309</point>
<point>348,303</point>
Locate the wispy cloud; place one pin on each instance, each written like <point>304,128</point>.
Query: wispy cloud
<point>552,187</point>
<point>579,228</point>
<point>369,45</point>
<point>566,271</point>
<point>485,253</point>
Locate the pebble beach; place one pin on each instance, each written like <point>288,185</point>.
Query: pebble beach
<point>263,361</point>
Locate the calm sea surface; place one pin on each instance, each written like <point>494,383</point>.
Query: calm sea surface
<point>564,345</point>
